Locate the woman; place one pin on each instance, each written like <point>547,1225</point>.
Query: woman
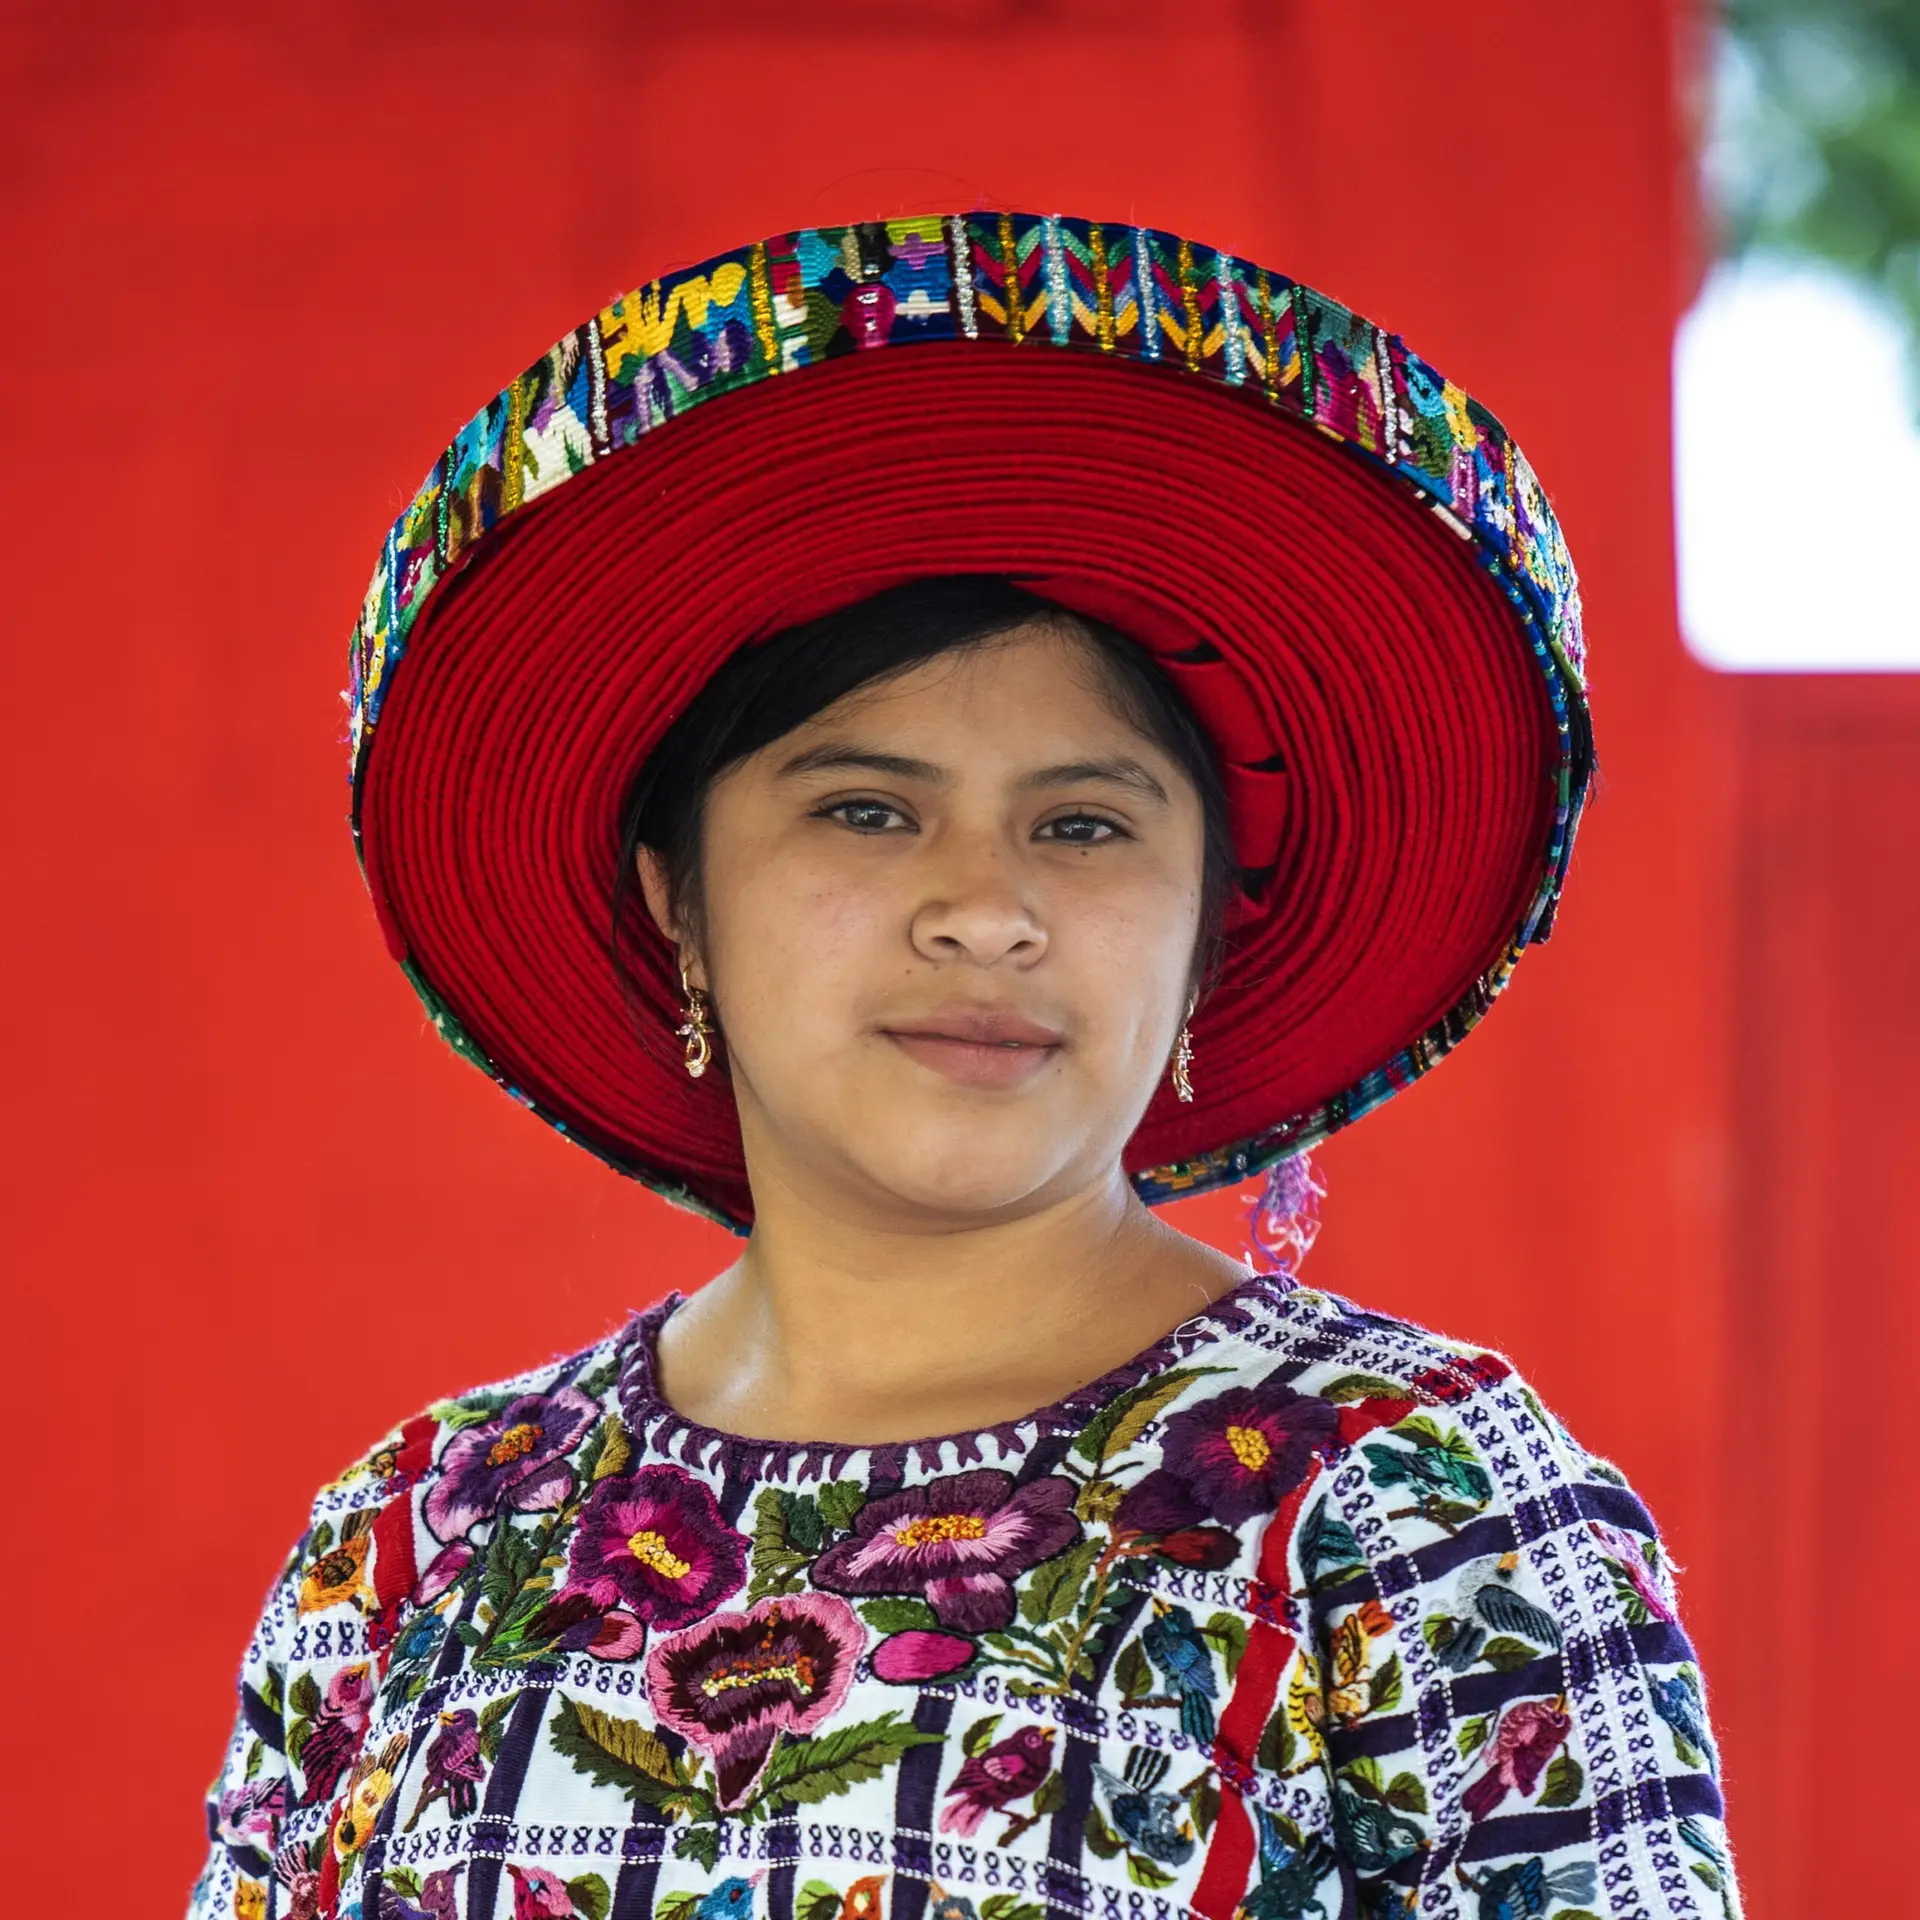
<point>925,806</point>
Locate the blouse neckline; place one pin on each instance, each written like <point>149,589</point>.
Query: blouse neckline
<point>665,1430</point>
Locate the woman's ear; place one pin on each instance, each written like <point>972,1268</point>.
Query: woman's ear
<point>658,894</point>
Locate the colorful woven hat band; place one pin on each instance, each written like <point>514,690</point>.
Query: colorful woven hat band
<point>1341,562</point>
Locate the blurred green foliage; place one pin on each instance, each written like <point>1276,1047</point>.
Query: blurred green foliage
<point>1814,142</point>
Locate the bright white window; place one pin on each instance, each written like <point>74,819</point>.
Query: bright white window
<point>1797,476</point>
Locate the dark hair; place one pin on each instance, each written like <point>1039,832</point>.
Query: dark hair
<point>767,689</point>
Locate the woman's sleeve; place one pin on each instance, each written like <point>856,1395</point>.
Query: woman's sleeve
<point>1511,1720</point>
<point>249,1797</point>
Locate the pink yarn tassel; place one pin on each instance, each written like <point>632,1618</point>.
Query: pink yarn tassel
<point>1284,1219</point>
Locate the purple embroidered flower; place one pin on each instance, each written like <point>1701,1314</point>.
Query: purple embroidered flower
<point>1229,1458</point>
<point>656,1544</point>
<point>959,1540</point>
<point>736,1681</point>
<point>515,1460</point>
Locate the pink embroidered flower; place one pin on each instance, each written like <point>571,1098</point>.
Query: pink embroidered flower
<point>655,1544</point>
<point>736,1681</point>
<point>908,1659</point>
<point>960,1541</point>
<point>513,1461</point>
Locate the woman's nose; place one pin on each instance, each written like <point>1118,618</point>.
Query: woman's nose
<point>976,910</point>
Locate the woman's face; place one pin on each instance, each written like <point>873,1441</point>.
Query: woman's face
<point>949,928</point>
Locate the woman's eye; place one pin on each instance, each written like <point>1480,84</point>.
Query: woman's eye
<point>1081,830</point>
<point>866,816</point>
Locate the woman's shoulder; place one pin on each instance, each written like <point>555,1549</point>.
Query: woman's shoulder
<point>379,1533</point>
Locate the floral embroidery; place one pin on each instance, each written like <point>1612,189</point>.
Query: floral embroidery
<point>654,1543</point>
<point>958,1541</point>
<point>514,1460</point>
<point>1050,1655</point>
<point>730,1685</point>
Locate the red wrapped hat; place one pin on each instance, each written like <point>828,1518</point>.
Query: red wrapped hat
<point>1342,561</point>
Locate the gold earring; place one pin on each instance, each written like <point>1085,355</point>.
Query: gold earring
<point>698,1029</point>
<point>1183,1062</point>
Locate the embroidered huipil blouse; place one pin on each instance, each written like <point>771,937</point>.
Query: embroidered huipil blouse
<point>1304,1612</point>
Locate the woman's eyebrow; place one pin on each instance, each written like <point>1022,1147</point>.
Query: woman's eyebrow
<point>835,755</point>
<point>1119,771</point>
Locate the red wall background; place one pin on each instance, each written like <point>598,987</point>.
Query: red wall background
<point>263,258</point>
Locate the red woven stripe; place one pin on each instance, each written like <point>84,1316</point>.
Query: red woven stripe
<point>1232,1849</point>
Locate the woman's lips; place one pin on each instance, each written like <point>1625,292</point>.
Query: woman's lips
<point>977,1049</point>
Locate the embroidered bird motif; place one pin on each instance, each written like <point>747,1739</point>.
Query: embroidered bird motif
<point>732,1899</point>
<point>1526,1890</point>
<point>1150,1820</point>
<point>1372,1834</point>
<point>1678,1702</point>
<point>1486,1602</point>
<point>992,1780</point>
<point>337,1730</point>
<point>1292,1867</point>
<point>1176,1647</point>
<point>1530,1733</point>
<point>862,1901</point>
<point>454,1768</point>
<point>539,1894</point>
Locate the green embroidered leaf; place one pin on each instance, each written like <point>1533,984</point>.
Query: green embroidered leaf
<point>1203,1803</point>
<point>1365,1773</point>
<point>1504,1653</point>
<point>1009,1906</point>
<point>1706,1873</point>
<point>1051,1589</point>
<point>493,1717</point>
<point>273,1690</point>
<point>1422,1429</point>
<point>1229,1633</point>
<point>701,1844</point>
<point>600,1377</point>
<point>1122,1420</point>
<point>1451,1514</point>
<point>840,1503</point>
<point>612,1454</point>
<point>1439,1631</point>
<point>1564,1782</point>
<point>255,1754</point>
<point>1133,1673</point>
<point>1407,1792</point>
<point>1384,1688</point>
<point>898,1614</point>
<point>1275,1751</point>
<point>805,1528</point>
<point>1575,1913</point>
<point>811,1770</point>
<point>979,1736</point>
<point>1098,1501</point>
<point>319,1541</point>
<point>590,1896</point>
<point>1143,1873</point>
<point>305,1696</point>
<point>626,1755</point>
<point>1472,1735</point>
<point>815,1901</point>
<point>404,1881</point>
<point>1050,1795</point>
<point>1362,1386</point>
<point>297,1735</point>
<point>1101,1838</point>
<point>777,1565</point>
